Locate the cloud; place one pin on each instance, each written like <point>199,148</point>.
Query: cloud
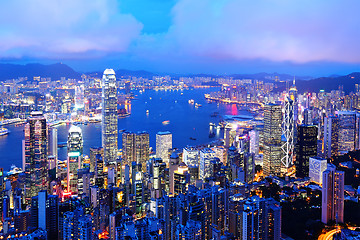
<point>298,31</point>
<point>64,28</point>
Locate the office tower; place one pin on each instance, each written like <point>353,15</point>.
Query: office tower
<point>306,147</point>
<point>191,156</point>
<point>74,155</point>
<point>272,139</point>
<point>93,160</point>
<point>83,181</point>
<point>127,87</point>
<point>45,213</point>
<point>254,141</point>
<point>35,152</point>
<point>332,206</point>
<point>317,166</point>
<point>136,148</point>
<point>288,131</point>
<point>109,116</point>
<point>331,136</point>
<point>163,145</point>
<point>128,148</point>
<point>308,117</point>
<point>137,186</point>
<point>79,97</point>
<point>206,156</point>
<point>54,143</point>
<point>181,180</point>
<point>347,131</point>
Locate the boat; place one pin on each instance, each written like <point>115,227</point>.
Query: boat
<point>215,114</point>
<point>4,131</point>
<point>211,134</point>
<point>191,101</point>
<point>191,138</point>
<point>166,122</point>
<point>123,113</point>
<point>147,111</point>
<point>122,130</point>
<point>198,105</point>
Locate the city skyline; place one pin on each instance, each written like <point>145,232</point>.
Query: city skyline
<point>300,38</point>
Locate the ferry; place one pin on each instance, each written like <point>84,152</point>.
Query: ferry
<point>166,122</point>
<point>197,105</point>
<point>4,131</point>
<point>147,111</point>
<point>191,101</point>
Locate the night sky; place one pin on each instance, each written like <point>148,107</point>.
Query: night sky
<point>302,37</point>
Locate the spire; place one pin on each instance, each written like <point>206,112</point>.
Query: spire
<point>294,81</point>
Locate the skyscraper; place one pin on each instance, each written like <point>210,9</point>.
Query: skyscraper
<point>331,136</point>
<point>347,123</point>
<point>74,154</point>
<point>109,116</point>
<point>317,166</point>
<point>163,145</point>
<point>272,139</point>
<point>288,128</point>
<point>79,96</point>
<point>135,148</point>
<point>306,147</point>
<point>35,152</point>
<point>332,206</point>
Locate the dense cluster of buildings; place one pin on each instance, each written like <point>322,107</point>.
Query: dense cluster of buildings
<point>200,192</point>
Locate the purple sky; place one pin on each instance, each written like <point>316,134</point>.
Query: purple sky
<point>303,37</point>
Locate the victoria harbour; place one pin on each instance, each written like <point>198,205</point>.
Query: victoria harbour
<point>185,121</point>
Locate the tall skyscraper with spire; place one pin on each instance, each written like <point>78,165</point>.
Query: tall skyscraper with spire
<point>109,116</point>
<point>36,150</point>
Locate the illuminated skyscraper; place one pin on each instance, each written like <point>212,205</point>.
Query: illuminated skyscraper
<point>136,148</point>
<point>317,166</point>
<point>109,116</point>
<point>79,96</point>
<point>347,130</point>
<point>332,207</point>
<point>331,136</point>
<point>163,145</point>
<point>74,154</point>
<point>288,129</point>
<point>306,147</point>
<point>36,150</point>
<point>272,139</point>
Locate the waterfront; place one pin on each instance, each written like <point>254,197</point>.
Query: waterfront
<point>185,121</point>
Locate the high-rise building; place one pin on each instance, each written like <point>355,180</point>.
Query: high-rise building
<point>74,155</point>
<point>254,141</point>
<point>306,147</point>
<point>54,143</point>
<point>206,156</point>
<point>317,166</point>
<point>347,131</point>
<point>332,206</point>
<point>288,130</point>
<point>163,145</point>
<point>191,156</point>
<point>79,96</point>
<point>35,152</point>
<point>331,135</point>
<point>109,116</point>
<point>136,148</point>
<point>272,139</point>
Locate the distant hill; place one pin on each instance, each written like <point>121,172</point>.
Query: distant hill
<point>330,83</point>
<point>126,73</point>
<point>54,71</point>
